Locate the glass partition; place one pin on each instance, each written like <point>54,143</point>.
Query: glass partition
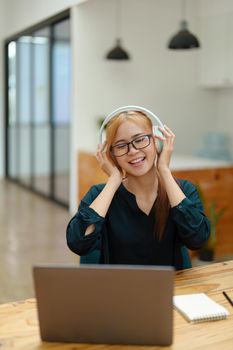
<point>38,109</point>
<point>12,129</point>
<point>24,86</point>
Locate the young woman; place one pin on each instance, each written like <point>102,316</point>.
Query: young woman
<point>142,215</point>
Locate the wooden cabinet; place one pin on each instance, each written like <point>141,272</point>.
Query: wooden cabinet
<point>216,185</point>
<point>216,53</point>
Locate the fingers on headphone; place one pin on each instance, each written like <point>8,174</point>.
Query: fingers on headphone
<point>159,135</point>
<point>98,156</point>
<point>102,147</point>
<point>167,132</point>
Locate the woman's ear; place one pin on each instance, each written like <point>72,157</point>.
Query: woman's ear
<point>124,175</point>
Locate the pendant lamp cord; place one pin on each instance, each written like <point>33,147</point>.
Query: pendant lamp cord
<point>118,19</point>
<point>183,10</point>
<point>183,23</point>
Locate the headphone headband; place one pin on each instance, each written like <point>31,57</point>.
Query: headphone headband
<point>154,119</point>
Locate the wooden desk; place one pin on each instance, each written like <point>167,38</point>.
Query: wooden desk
<point>19,325</point>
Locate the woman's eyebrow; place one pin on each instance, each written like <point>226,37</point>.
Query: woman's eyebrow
<point>132,137</point>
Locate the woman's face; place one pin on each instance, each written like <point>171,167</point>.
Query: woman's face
<point>136,162</point>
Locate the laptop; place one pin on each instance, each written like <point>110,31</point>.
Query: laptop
<point>105,304</point>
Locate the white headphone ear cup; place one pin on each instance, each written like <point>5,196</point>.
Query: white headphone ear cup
<point>158,143</point>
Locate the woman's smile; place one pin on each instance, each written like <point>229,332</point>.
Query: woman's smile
<point>136,162</point>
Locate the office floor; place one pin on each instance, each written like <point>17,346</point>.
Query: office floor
<point>32,230</point>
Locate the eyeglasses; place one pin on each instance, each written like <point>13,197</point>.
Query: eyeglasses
<point>139,142</point>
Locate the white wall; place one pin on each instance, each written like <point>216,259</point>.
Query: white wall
<point>222,97</point>
<point>214,7</point>
<point>160,79</point>
<point>225,111</point>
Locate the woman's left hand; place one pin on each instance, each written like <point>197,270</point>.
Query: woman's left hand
<point>164,157</point>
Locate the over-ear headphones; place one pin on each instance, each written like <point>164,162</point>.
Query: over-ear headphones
<point>156,122</point>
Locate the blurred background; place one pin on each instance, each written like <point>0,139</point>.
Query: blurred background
<point>61,74</point>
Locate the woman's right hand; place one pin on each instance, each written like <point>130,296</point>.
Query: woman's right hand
<point>102,202</point>
<point>107,164</point>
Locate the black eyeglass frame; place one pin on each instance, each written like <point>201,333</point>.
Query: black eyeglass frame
<point>131,143</point>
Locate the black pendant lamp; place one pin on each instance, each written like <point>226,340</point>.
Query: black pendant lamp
<point>117,52</point>
<point>184,39</point>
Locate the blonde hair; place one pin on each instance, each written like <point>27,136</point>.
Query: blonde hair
<point>162,205</point>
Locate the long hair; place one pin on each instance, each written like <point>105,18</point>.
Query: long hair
<point>162,204</point>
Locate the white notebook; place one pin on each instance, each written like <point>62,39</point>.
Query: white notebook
<point>199,307</point>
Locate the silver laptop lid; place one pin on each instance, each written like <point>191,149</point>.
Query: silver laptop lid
<point>109,304</point>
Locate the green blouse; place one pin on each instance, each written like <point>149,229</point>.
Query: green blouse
<point>126,235</point>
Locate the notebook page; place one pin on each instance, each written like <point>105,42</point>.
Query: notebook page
<point>198,307</point>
